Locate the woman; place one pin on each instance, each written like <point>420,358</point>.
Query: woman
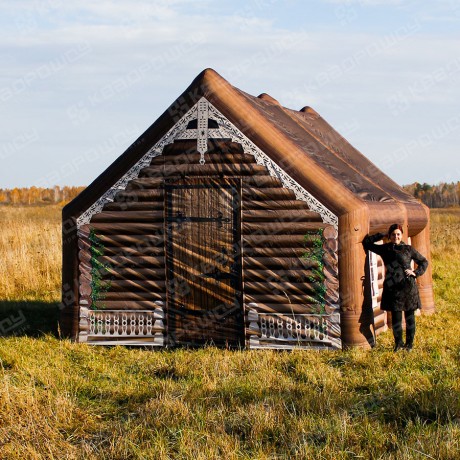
<point>400,292</point>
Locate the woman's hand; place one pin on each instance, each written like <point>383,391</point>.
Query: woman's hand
<point>410,272</point>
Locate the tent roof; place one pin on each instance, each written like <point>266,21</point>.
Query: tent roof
<point>301,142</point>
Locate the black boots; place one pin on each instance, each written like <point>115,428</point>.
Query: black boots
<point>396,320</point>
<point>398,335</point>
<point>410,330</point>
<point>409,339</point>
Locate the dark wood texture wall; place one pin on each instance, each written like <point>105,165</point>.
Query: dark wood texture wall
<point>276,277</point>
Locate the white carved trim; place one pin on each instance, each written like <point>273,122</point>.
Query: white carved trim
<point>228,130</point>
<point>374,262</point>
<point>202,128</point>
<point>174,133</point>
<point>140,327</point>
<point>213,133</point>
<point>203,110</point>
<point>291,331</point>
<point>373,270</point>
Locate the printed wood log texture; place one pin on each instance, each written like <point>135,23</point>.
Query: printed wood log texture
<point>206,246</point>
<point>285,290</point>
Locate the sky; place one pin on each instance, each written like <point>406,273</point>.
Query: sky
<point>81,81</point>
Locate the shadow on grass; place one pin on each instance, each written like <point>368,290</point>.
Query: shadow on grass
<point>28,318</point>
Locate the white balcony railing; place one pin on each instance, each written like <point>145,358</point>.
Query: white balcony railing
<point>128,327</point>
<point>289,331</point>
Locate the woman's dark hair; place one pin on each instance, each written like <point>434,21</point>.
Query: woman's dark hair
<point>395,227</point>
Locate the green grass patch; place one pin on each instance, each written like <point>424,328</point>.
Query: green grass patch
<point>61,400</point>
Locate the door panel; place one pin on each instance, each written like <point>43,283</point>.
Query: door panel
<point>203,262</point>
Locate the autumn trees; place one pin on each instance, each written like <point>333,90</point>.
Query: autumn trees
<point>38,195</point>
<point>443,195</point>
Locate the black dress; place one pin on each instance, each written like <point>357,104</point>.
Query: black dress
<point>400,292</point>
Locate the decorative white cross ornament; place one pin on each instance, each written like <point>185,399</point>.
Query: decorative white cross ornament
<point>202,129</point>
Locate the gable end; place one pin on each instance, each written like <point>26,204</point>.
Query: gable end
<point>203,111</point>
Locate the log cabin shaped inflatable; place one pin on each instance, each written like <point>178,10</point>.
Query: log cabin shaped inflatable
<point>236,222</point>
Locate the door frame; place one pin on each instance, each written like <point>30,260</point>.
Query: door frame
<point>233,184</point>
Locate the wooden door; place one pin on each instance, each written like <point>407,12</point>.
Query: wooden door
<point>203,263</point>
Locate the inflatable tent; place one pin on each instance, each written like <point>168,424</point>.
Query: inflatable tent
<point>236,222</point>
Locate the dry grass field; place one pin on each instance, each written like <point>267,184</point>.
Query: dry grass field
<point>30,251</point>
<point>61,400</point>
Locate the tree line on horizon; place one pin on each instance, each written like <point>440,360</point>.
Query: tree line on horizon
<point>443,195</point>
<point>38,196</point>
